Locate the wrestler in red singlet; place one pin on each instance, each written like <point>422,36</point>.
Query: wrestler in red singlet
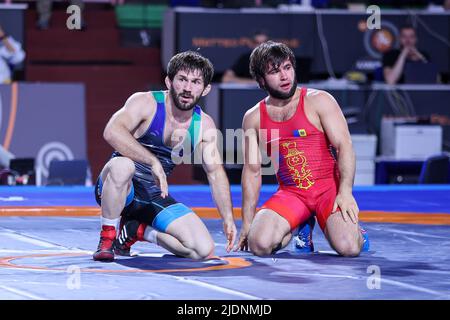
<point>308,175</point>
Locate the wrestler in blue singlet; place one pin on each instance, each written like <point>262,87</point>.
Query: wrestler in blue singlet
<point>144,202</point>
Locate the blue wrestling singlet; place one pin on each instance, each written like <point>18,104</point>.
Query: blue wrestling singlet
<point>144,202</point>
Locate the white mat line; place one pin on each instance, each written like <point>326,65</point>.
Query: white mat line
<point>32,270</point>
<point>29,240</point>
<point>410,286</point>
<point>307,274</point>
<point>34,240</point>
<point>411,233</point>
<point>44,251</point>
<point>201,283</point>
<point>217,288</point>
<point>22,293</point>
<point>382,279</point>
<point>433,271</point>
<point>182,279</point>
<point>413,240</point>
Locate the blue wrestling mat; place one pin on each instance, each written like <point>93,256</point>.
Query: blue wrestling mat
<point>414,198</point>
<point>51,257</point>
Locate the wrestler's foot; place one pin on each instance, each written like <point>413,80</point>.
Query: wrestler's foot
<point>366,243</point>
<point>131,232</point>
<point>303,240</point>
<point>104,251</point>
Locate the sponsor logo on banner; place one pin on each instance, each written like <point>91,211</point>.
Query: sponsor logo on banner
<point>379,41</point>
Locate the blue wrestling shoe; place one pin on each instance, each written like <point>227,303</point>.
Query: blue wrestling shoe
<point>303,240</point>
<point>366,243</point>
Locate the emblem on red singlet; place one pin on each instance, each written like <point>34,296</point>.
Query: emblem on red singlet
<point>297,165</point>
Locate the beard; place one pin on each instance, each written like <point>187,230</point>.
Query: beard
<point>177,100</point>
<point>277,94</point>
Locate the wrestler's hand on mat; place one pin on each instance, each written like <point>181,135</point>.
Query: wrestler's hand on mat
<point>160,178</point>
<point>347,205</point>
<point>230,232</point>
<point>243,241</point>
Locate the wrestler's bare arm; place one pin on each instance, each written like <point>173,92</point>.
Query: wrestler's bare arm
<point>119,134</point>
<point>335,127</point>
<point>251,173</point>
<point>120,128</point>
<point>217,178</point>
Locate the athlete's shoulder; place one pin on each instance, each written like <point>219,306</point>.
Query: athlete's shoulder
<point>207,121</point>
<point>140,98</point>
<point>315,95</point>
<point>319,99</point>
<point>252,114</point>
<point>157,95</point>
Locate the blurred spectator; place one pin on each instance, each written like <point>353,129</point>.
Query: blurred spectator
<point>242,3</point>
<point>394,61</point>
<point>314,3</point>
<point>240,71</point>
<point>117,2</point>
<point>447,5</point>
<point>185,3</point>
<point>44,9</point>
<point>11,54</point>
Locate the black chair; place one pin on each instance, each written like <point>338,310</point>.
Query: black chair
<point>21,172</point>
<point>4,176</point>
<point>67,173</point>
<point>22,165</point>
<point>435,170</point>
<point>303,69</point>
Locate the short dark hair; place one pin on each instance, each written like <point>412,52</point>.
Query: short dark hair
<point>268,54</point>
<point>407,26</point>
<point>190,61</point>
<point>260,32</point>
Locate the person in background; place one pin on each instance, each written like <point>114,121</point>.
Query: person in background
<point>447,4</point>
<point>239,72</point>
<point>44,9</point>
<point>394,61</point>
<point>11,54</point>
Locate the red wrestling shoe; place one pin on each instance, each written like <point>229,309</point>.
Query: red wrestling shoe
<point>130,233</point>
<point>105,251</point>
